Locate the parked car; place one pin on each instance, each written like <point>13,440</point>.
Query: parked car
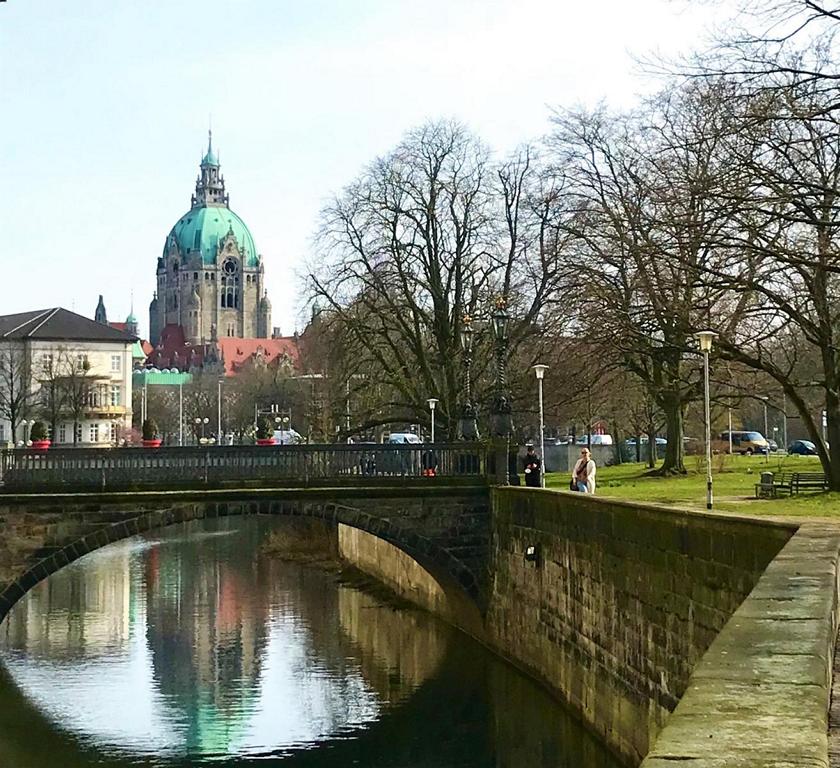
<point>746,443</point>
<point>631,443</point>
<point>803,448</point>
<point>774,446</point>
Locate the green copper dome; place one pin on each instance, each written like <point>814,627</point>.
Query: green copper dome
<point>203,229</point>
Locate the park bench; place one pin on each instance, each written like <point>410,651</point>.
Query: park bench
<point>792,482</point>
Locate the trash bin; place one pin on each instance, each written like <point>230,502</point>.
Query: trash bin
<point>765,487</point>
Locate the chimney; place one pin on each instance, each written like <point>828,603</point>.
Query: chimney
<point>275,332</point>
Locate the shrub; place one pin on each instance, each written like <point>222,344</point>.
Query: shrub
<point>38,431</point>
<point>150,430</point>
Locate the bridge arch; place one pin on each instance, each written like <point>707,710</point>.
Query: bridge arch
<point>65,542</point>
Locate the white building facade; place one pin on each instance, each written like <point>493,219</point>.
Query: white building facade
<point>67,371</point>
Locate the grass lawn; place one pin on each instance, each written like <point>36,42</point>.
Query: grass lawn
<point>734,486</point>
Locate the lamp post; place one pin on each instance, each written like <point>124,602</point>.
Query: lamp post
<point>784,424</point>
<point>432,401</point>
<point>500,417</point>
<point>467,427</point>
<point>540,370</point>
<point>219,415</point>
<point>764,400</point>
<point>181,411</point>
<point>705,338</point>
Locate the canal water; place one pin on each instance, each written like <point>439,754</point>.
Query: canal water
<point>193,647</point>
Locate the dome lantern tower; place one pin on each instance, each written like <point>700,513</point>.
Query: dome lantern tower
<point>210,185</point>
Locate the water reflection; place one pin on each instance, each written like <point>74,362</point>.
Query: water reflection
<point>191,647</point>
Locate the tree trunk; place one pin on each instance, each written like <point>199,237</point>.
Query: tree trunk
<point>674,462</point>
<point>832,414</point>
<point>651,451</point>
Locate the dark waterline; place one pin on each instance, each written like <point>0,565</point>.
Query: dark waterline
<point>192,648</point>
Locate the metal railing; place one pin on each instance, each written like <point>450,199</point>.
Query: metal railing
<point>219,466</point>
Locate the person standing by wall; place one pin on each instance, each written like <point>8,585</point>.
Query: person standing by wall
<point>583,474</point>
<point>533,466</point>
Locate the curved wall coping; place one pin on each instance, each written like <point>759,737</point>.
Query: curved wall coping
<point>760,695</point>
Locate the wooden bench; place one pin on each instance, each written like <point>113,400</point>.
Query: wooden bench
<point>792,482</point>
<point>808,481</point>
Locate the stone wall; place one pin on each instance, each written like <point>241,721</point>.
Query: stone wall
<point>621,602</point>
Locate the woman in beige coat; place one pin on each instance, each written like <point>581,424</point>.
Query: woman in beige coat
<point>583,475</point>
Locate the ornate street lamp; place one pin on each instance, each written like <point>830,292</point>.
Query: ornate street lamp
<point>501,418</point>
<point>201,424</point>
<point>705,338</point>
<point>467,426</point>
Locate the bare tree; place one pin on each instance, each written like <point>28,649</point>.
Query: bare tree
<point>52,392</point>
<point>427,234</point>
<point>649,186</point>
<point>79,390</point>
<point>15,384</point>
<point>787,276</point>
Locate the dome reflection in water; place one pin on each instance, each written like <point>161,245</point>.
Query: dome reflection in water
<point>191,647</point>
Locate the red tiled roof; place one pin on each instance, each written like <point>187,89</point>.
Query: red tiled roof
<point>147,347</point>
<point>236,352</point>
<point>172,351</point>
<point>119,326</point>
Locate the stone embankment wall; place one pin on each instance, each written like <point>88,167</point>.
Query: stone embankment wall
<point>760,695</point>
<point>618,606</point>
<point>621,602</point>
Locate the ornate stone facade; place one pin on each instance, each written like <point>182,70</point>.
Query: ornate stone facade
<point>210,278</point>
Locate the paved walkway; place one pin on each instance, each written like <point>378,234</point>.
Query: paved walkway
<point>834,712</point>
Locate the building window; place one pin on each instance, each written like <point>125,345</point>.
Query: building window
<point>93,433</point>
<point>116,363</point>
<point>62,433</point>
<point>113,433</point>
<point>195,275</point>
<point>116,394</point>
<point>78,432</point>
<point>2,433</point>
<point>82,362</point>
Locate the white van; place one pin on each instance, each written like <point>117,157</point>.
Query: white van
<point>595,440</point>
<point>287,437</point>
<point>405,438</point>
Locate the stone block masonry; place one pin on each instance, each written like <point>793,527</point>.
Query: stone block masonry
<point>621,601</point>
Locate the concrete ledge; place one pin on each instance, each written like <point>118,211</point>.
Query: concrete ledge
<point>430,489</point>
<point>760,695</point>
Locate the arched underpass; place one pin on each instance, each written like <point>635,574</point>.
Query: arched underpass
<point>446,531</point>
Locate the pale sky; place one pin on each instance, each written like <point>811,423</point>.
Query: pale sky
<point>105,104</point>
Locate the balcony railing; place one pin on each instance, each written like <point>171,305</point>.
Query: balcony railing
<point>25,470</point>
